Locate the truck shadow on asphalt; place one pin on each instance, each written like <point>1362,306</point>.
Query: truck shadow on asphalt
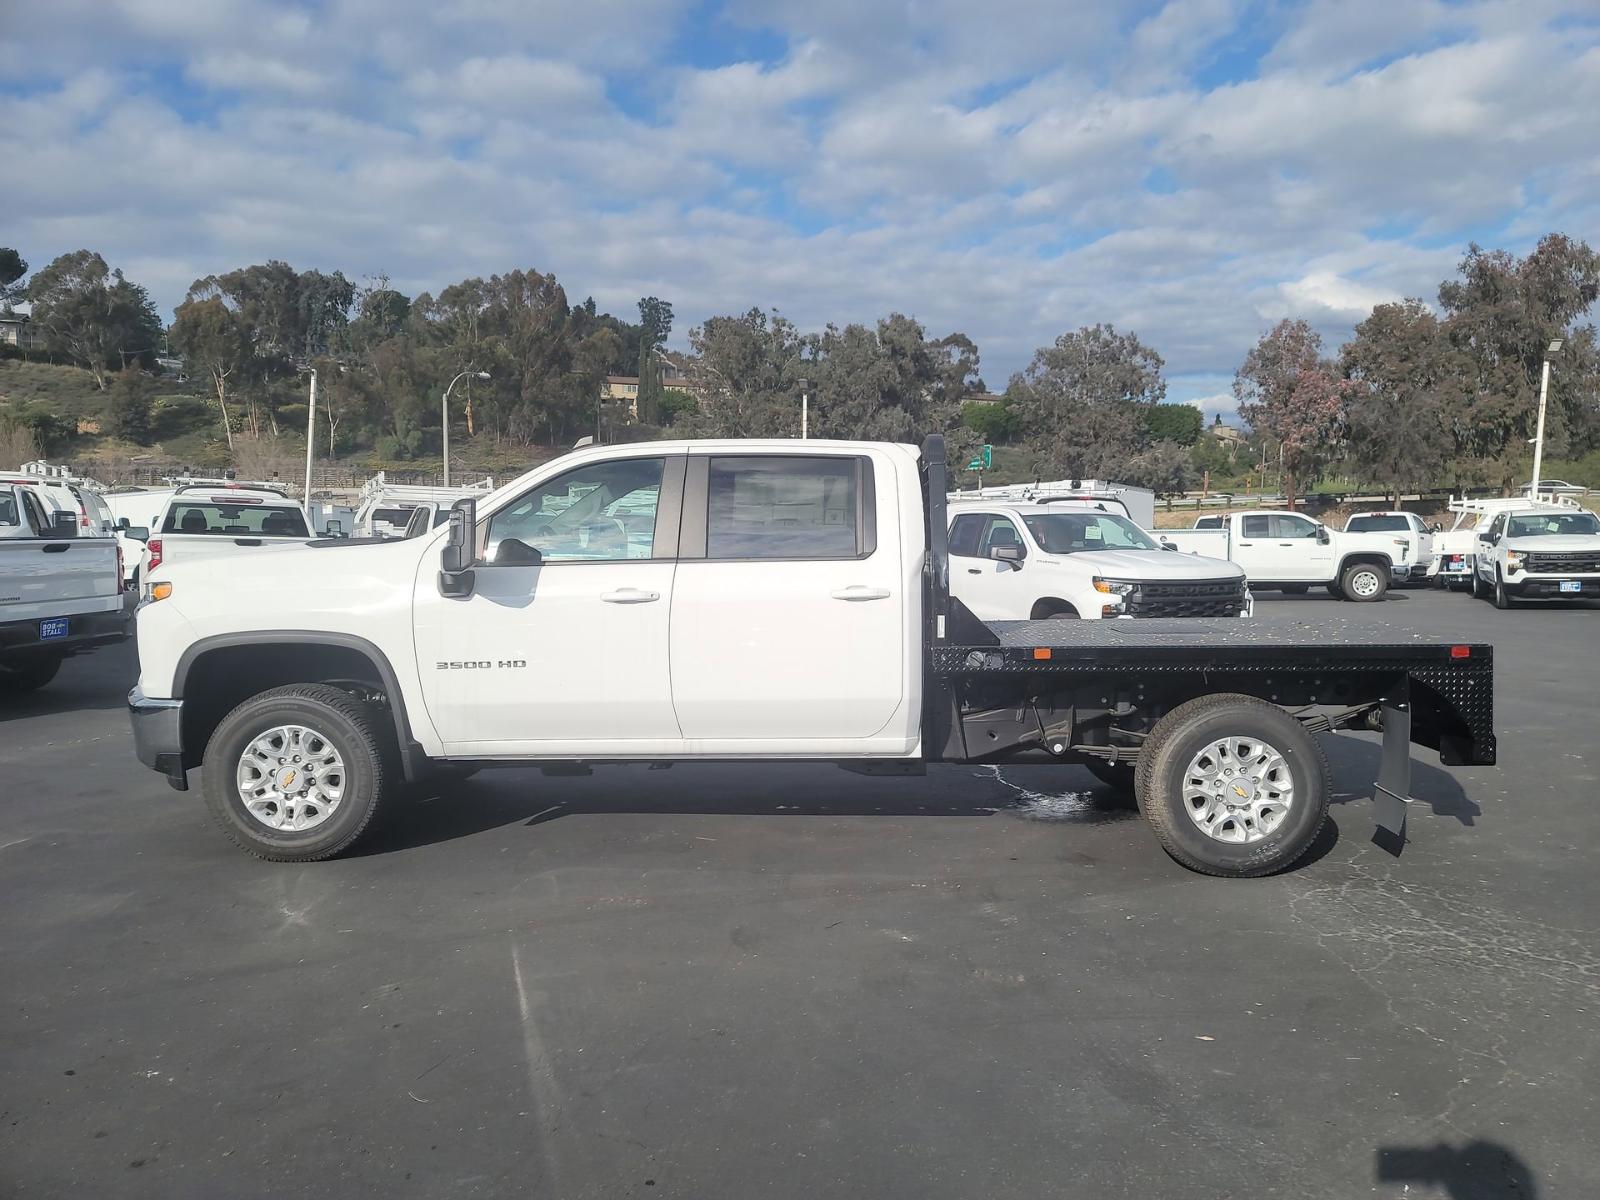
<point>55,699</point>
<point>1477,1170</point>
<point>1355,765</point>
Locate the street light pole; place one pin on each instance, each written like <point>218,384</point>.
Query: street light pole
<point>311,441</point>
<point>444,415</point>
<point>1538,437</point>
<point>805,409</point>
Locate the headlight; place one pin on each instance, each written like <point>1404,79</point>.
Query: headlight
<point>1514,560</point>
<point>1114,587</point>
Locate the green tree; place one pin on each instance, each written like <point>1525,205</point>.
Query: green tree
<point>129,406</point>
<point>991,420</point>
<point>12,268</point>
<point>1179,423</point>
<point>1408,382</point>
<point>92,314</point>
<point>655,326</point>
<point>215,340</point>
<point>1165,467</point>
<point>1080,401</point>
<point>1289,392</point>
<point>1501,313</point>
<point>751,368</point>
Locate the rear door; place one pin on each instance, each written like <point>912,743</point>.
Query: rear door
<point>788,611</point>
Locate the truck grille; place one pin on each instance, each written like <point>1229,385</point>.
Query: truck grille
<point>1571,562</point>
<point>1219,598</point>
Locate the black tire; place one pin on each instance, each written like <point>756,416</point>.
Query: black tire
<point>29,674</point>
<point>1335,591</point>
<point>1295,589</point>
<point>1065,613</point>
<point>346,723</point>
<point>1118,776</point>
<point>1502,598</point>
<point>1477,585</point>
<point>1181,735</point>
<point>1351,588</point>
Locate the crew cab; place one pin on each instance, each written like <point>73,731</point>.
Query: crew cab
<point>1424,563</point>
<point>747,601</point>
<point>203,520</point>
<point>1539,553</point>
<point>60,594</point>
<point>1078,559</point>
<point>1289,552</point>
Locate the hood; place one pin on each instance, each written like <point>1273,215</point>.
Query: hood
<point>1580,543</point>
<point>1153,566</point>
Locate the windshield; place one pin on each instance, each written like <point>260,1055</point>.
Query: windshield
<point>235,520</point>
<point>1073,533</point>
<point>1376,523</point>
<point>1553,525</point>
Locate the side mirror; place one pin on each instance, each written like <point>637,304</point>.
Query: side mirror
<point>460,550</point>
<point>63,525</point>
<point>1436,528</point>
<point>122,524</point>
<point>1486,538</point>
<point>335,528</point>
<point>1323,536</point>
<point>1011,554</point>
<point>1169,546</point>
<point>139,533</point>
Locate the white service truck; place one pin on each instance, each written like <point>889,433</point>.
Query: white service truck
<point>1077,559</point>
<point>1289,552</point>
<point>1538,553</point>
<point>1424,560</point>
<point>60,594</point>
<point>384,509</point>
<point>1457,547</point>
<point>746,601</point>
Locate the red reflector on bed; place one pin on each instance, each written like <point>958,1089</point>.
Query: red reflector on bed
<point>1460,651</point>
<point>1041,652</point>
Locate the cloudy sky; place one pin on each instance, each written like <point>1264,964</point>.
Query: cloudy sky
<point>1191,170</point>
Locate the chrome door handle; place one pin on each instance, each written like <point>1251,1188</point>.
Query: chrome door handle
<point>629,596</point>
<point>859,592</point>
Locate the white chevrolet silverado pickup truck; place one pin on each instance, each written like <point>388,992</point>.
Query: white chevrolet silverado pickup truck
<point>1289,552</point>
<point>204,520</point>
<point>746,601</point>
<point>1078,560</point>
<point>1538,553</point>
<point>60,594</point>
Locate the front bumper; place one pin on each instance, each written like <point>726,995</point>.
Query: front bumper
<point>85,631</point>
<point>158,735</point>
<point>1548,587</point>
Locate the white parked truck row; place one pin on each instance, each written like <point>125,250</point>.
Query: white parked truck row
<point>1289,552</point>
<point>60,594</point>
<point>752,601</point>
<point>384,509</point>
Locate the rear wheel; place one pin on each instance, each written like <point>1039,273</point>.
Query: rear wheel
<point>1364,582</point>
<point>29,674</point>
<point>295,774</point>
<point>1233,786</point>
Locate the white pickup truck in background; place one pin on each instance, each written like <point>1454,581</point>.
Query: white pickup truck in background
<point>1076,559</point>
<point>1457,547</point>
<point>1289,552</point>
<point>203,520</point>
<point>1538,553</point>
<point>60,594</point>
<point>1408,524</point>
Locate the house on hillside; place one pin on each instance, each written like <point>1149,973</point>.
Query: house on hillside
<point>17,329</point>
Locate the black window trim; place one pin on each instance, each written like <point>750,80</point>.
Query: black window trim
<point>669,508</point>
<point>697,507</point>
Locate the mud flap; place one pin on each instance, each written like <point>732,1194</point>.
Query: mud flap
<point>1391,794</point>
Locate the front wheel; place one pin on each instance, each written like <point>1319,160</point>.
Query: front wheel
<point>1233,786</point>
<point>1364,582</point>
<point>295,774</point>
<point>1502,598</point>
<point>29,674</point>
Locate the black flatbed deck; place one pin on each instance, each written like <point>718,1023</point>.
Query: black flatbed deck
<point>1320,636</point>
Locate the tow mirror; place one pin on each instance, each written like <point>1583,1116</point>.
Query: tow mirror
<point>1011,554</point>
<point>139,533</point>
<point>1322,535</point>
<point>122,524</point>
<point>63,525</point>
<point>335,528</point>
<point>460,549</point>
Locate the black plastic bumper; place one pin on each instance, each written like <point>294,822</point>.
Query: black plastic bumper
<point>85,631</point>
<point>158,736</point>
<point>1549,588</point>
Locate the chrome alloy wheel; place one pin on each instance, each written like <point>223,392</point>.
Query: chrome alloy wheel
<point>291,778</point>
<point>1238,789</point>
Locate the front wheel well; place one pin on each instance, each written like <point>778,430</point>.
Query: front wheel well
<point>221,678</point>
<point>1049,606</point>
<point>1370,558</point>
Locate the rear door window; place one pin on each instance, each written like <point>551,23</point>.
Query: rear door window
<point>1257,527</point>
<point>788,507</point>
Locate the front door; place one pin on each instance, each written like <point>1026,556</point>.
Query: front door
<point>994,589</point>
<point>791,609</point>
<point>566,655</point>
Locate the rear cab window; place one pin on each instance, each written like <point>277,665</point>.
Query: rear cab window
<point>1379,523</point>
<point>221,516</point>
<point>787,506</point>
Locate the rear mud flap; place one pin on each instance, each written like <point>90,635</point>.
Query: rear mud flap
<point>1391,794</point>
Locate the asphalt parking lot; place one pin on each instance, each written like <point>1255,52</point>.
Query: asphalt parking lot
<point>742,982</point>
